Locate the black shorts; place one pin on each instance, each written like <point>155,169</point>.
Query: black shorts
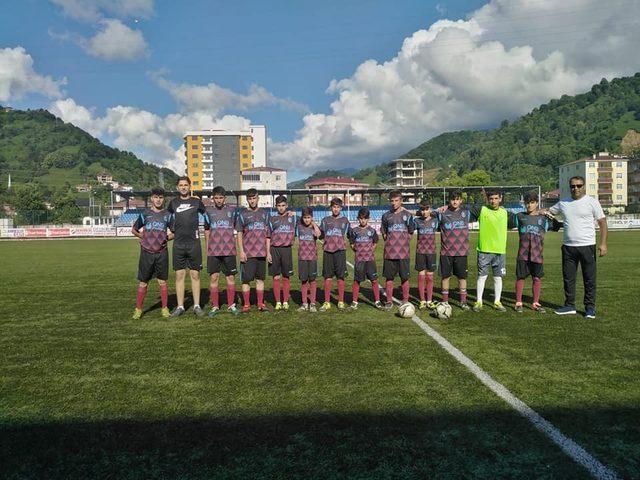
<point>153,265</point>
<point>253,269</point>
<point>281,262</point>
<point>334,264</point>
<point>365,270</point>
<point>453,265</point>
<point>307,270</point>
<point>187,256</point>
<point>426,261</point>
<point>395,267</point>
<point>524,268</point>
<point>224,263</point>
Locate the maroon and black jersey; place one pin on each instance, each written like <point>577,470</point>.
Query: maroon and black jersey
<point>426,228</point>
<point>532,229</point>
<point>454,228</point>
<point>154,233</point>
<point>333,230</point>
<point>185,218</point>
<point>254,225</point>
<point>221,223</point>
<point>397,228</point>
<point>283,229</point>
<point>364,240</point>
<point>306,243</point>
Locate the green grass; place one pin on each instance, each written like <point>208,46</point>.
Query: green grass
<point>86,392</point>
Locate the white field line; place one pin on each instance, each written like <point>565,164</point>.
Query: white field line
<point>568,446</point>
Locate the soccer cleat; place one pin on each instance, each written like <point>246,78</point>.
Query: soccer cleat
<point>137,313</point>
<point>246,308</point>
<point>341,306</point>
<point>465,307</point>
<point>312,308</point>
<point>499,307</point>
<point>263,308</point>
<point>431,305</point>
<point>379,305</point>
<point>518,308</point>
<point>538,308</point>
<point>197,311</point>
<point>422,305</point>
<point>177,312</point>
<point>590,312</point>
<point>566,310</point>
<point>477,307</point>
<point>165,312</point>
<point>278,306</point>
<point>304,308</point>
<point>285,306</point>
<point>325,307</point>
<point>233,309</point>
<point>388,306</point>
<point>353,306</point>
<point>213,312</point>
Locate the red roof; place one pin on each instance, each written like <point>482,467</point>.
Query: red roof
<point>335,181</point>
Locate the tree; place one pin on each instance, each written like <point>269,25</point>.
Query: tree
<point>28,201</point>
<point>65,209</point>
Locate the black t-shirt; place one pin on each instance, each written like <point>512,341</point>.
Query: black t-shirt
<point>184,218</point>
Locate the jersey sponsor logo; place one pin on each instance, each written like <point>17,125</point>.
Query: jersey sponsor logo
<point>221,224</point>
<point>455,225</point>
<point>283,229</point>
<point>256,226</point>
<point>155,225</point>
<point>333,232</point>
<point>183,207</point>
<point>533,229</point>
<point>397,227</point>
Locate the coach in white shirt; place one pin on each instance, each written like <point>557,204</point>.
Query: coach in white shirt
<point>579,245</point>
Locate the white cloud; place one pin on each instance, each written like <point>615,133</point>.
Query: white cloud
<point>506,58</point>
<point>17,76</point>
<point>94,10</point>
<point>116,41</point>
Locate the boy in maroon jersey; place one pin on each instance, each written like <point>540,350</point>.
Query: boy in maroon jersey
<point>220,238</point>
<point>333,229</point>
<point>363,240</point>
<point>426,263</point>
<point>308,233</point>
<point>396,228</point>
<point>151,228</point>
<point>283,231</point>
<point>252,225</point>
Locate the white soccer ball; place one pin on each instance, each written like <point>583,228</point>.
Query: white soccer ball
<point>443,311</point>
<point>407,310</point>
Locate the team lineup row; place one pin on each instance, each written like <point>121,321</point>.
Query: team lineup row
<point>260,238</point>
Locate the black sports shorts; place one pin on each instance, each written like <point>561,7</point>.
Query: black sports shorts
<point>224,263</point>
<point>365,270</point>
<point>334,264</point>
<point>254,268</point>
<point>524,268</point>
<point>281,261</point>
<point>396,266</point>
<point>453,265</point>
<point>426,261</point>
<point>307,270</point>
<point>153,265</point>
<point>187,256</point>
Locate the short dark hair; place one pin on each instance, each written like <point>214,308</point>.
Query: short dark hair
<point>306,211</point>
<point>395,194</point>
<point>453,194</point>
<point>577,177</point>
<point>219,190</point>
<point>492,191</point>
<point>159,191</point>
<point>184,177</point>
<point>531,197</point>
<point>364,213</point>
<point>281,199</point>
<point>424,203</point>
<point>336,201</point>
<point>252,192</point>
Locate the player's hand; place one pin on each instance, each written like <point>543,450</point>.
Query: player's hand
<point>170,236</point>
<point>602,250</point>
<point>291,213</point>
<point>442,209</point>
<point>269,259</point>
<point>243,257</point>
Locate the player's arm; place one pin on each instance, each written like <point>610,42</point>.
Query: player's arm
<point>383,227</point>
<point>239,229</point>
<point>268,241</point>
<point>170,235</point>
<point>201,208</point>
<point>512,220</point>
<point>316,229</point>
<point>411,225</point>
<point>604,233</point>
<point>474,212</point>
<point>322,229</point>
<point>137,226</point>
<point>376,238</point>
<point>351,237</point>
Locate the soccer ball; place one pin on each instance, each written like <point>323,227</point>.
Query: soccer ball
<point>406,310</point>
<point>443,311</point>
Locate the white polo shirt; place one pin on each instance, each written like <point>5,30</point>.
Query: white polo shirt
<point>579,220</point>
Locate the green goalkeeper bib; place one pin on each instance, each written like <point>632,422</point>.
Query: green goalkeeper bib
<point>492,237</point>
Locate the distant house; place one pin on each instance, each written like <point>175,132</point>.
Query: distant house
<point>336,183</point>
<point>104,178</point>
<point>83,187</point>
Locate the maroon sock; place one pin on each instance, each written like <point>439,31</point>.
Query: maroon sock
<point>429,280</point>
<point>214,296</point>
<point>356,292</point>
<point>142,291</point>
<point>246,296</point>
<point>376,290</point>
<point>286,289</point>
<point>304,290</point>
<point>164,295</point>
<point>463,295</point>
<point>520,289</point>
<point>231,294</point>
<point>421,286</point>
<point>276,289</point>
<point>313,287</point>
<point>405,291</point>
<point>389,291</point>
<point>260,295</point>
<point>341,290</point>
<point>537,286</point>
<point>445,295</point>
<point>327,290</point>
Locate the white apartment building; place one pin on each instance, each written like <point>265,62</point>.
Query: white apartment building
<point>407,172</point>
<point>264,178</point>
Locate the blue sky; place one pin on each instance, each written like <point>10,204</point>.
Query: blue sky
<point>409,71</point>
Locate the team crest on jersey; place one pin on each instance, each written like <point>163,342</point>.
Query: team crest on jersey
<point>370,233</point>
<point>290,219</point>
<point>404,218</point>
<point>539,221</point>
<point>229,214</point>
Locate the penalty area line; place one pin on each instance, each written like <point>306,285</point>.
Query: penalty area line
<point>567,445</point>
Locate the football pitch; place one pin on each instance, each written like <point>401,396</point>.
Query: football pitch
<point>86,392</point>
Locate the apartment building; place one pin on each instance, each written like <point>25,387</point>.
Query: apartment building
<point>264,178</point>
<point>336,183</point>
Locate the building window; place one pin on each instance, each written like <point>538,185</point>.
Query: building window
<point>277,177</point>
<point>592,164</point>
<point>194,137</point>
<point>618,164</point>
<point>195,147</point>
<point>619,197</point>
<point>196,183</point>
<point>244,147</point>
<point>244,155</point>
<point>619,186</point>
<point>592,176</point>
<point>194,164</point>
<point>618,175</point>
<point>592,187</point>
<point>194,155</point>
<point>195,174</point>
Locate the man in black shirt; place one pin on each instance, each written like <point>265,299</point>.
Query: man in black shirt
<point>187,253</point>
